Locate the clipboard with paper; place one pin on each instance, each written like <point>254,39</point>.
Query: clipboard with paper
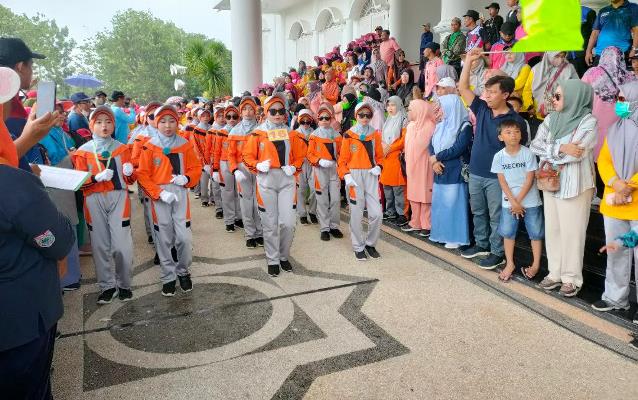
<point>62,178</point>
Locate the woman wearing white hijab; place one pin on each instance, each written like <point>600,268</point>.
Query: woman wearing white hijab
<point>450,150</point>
<point>517,68</point>
<point>392,178</point>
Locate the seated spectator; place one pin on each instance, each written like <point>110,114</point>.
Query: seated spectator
<point>396,69</point>
<point>445,86</point>
<point>543,80</point>
<point>368,76</point>
<point>506,41</point>
<point>379,66</point>
<point>453,45</point>
<point>477,76</point>
<point>404,90</point>
<point>330,89</point>
<point>566,140</point>
<point>516,68</point>
<point>392,175</point>
<point>447,71</point>
<point>614,26</point>
<point>634,65</point>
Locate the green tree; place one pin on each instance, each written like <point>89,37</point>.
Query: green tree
<point>208,63</point>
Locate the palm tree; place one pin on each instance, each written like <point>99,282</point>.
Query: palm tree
<point>209,62</point>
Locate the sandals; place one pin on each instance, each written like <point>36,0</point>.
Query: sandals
<point>525,275</point>
<point>508,278</point>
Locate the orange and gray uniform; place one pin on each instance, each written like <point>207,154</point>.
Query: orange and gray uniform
<point>325,144</point>
<point>361,150</point>
<point>107,211</point>
<point>305,183</point>
<point>160,160</point>
<point>216,190</point>
<point>198,139</point>
<point>275,193</point>
<point>230,200</point>
<point>139,140</point>
<point>237,139</point>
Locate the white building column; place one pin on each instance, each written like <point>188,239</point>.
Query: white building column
<point>451,9</point>
<point>315,43</point>
<point>348,32</point>
<point>245,17</point>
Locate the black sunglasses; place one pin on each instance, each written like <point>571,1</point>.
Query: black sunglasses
<point>232,116</point>
<point>364,115</point>
<point>151,116</point>
<point>305,122</point>
<point>275,111</point>
<point>324,118</point>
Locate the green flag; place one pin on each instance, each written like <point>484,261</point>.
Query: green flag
<point>551,25</point>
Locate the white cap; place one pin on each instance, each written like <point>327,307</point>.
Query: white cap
<point>307,112</point>
<point>446,82</point>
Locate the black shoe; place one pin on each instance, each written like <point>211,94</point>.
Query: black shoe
<point>174,253</point>
<point>285,265</point>
<point>124,294</point>
<point>185,283</point>
<point>71,287</point>
<point>168,289</point>
<point>150,239</point>
<point>156,260</point>
<point>401,221</point>
<point>634,343</point>
<point>424,233</point>
<point>251,243</point>
<point>361,255</point>
<point>387,216</point>
<point>325,236</point>
<point>474,251</point>
<point>239,223</point>
<point>107,296</point>
<point>313,218</point>
<point>197,195</point>
<point>372,252</point>
<point>219,215</point>
<point>304,221</point>
<point>602,305</point>
<point>635,320</point>
<point>230,228</point>
<point>492,261</point>
<point>336,233</point>
<point>205,204</point>
<point>273,270</point>
<point>259,241</point>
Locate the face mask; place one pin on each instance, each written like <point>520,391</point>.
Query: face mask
<point>622,109</point>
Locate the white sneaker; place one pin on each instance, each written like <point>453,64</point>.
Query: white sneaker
<point>452,245</point>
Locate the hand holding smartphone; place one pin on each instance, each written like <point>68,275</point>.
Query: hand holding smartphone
<point>46,98</point>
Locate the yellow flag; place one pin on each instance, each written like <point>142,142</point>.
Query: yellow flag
<point>551,25</point>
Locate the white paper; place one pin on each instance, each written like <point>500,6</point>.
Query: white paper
<point>62,178</point>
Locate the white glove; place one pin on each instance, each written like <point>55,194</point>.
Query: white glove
<point>263,166</point>
<point>168,197</point>
<point>376,171</point>
<point>207,169</point>
<point>289,170</point>
<point>179,180</point>
<point>349,180</point>
<point>239,176</point>
<point>127,169</point>
<point>326,163</point>
<point>216,177</point>
<point>104,176</point>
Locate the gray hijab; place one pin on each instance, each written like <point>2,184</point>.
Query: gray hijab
<point>512,69</point>
<point>394,124</point>
<point>244,127</point>
<point>622,137</point>
<point>578,98</point>
<point>447,71</point>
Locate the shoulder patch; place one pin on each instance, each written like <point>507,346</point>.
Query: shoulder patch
<point>45,239</point>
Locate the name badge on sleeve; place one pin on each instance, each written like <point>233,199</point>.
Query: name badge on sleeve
<point>276,135</point>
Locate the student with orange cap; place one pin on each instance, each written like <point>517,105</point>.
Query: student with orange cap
<point>107,207</point>
<point>305,184</point>
<point>359,165</point>
<point>244,179</point>
<point>222,173</point>
<point>323,153</point>
<point>275,155</point>
<point>216,190</point>
<point>198,139</point>
<point>168,167</point>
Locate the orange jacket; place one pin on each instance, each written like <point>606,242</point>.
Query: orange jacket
<point>357,154</point>
<point>319,148</point>
<point>220,149</point>
<point>187,132</point>
<point>259,148</point>
<point>84,160</point>
<point>302,140</point>
<point>157,168</point>
<point>392,175</point>
<point>209,147</point>
<point>198,139</point>
<point>236,146</point>
<point>138,143</point>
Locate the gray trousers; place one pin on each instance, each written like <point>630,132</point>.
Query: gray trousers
<point>230,200</point>
<point>277,210</point>
<point>111,238</point>
<point>248,205</point>
<point>618,271</point>
<point>394,200</point>
<point>172,226</point>
<point>148,222</point>
<point>204,181</point>
<point>328,197</point>
<point>216,194</point>
<point>486,202</point>
<point>306,191</point>
<point>366,196</point>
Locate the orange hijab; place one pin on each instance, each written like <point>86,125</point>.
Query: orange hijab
<point>8,151</point>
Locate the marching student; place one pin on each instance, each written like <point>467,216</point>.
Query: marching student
<point>275,155</point>
<point>222,173</point>
<point>198,139</point>
<point>168,167</point>
<point>107,207</point>
<point>244,179</point>
<point>323,153</point>
<point>359,165</point>
<point>305,186</point>
<point>216,190</point>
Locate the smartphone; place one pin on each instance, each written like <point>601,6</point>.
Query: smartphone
<point>46,98</point>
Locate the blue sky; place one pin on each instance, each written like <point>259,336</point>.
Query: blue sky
<point>85,18</point>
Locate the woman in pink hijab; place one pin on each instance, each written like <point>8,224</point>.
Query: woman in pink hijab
<point>420,176</point>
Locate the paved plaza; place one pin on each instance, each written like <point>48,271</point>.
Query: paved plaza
<point>411,325</point>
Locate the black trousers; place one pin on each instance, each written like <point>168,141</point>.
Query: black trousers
<point>26,369</point>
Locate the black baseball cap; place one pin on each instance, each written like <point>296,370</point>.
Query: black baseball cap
<point>472,14</point>
<point>508,28</point>
<point>493,5</point>
<point>116,95</point>
<point>79,97</point>
<point>14,50</point>
<point>100,93</point>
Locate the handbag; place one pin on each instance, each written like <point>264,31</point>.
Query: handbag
<point>548,106</point>
<point>548,177</point>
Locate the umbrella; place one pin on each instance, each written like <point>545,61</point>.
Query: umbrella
<point>83,81</point>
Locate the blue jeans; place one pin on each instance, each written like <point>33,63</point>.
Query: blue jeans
<point>485,202</point>
<point>533,224</point>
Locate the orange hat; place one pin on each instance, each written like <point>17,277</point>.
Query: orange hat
<point>166,110</point>
<point>218,110</point>
<point>361,106</point>
<point>231,108</point>
<point>305,113</point>
<point>326,107</point>
<point>150,107</point>
<point>101,110</point>
<point>274,99</point>
<point>247,101</point>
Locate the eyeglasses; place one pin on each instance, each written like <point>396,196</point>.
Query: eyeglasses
<point>275,111</point>
<point>232,116</point>
<point>324,118</point>
<point>364,116</point>
<point>151,117</point>
<point>305,122</point>
<point>557,96</point>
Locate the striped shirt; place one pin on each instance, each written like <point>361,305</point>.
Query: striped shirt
<point>578,174</point>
